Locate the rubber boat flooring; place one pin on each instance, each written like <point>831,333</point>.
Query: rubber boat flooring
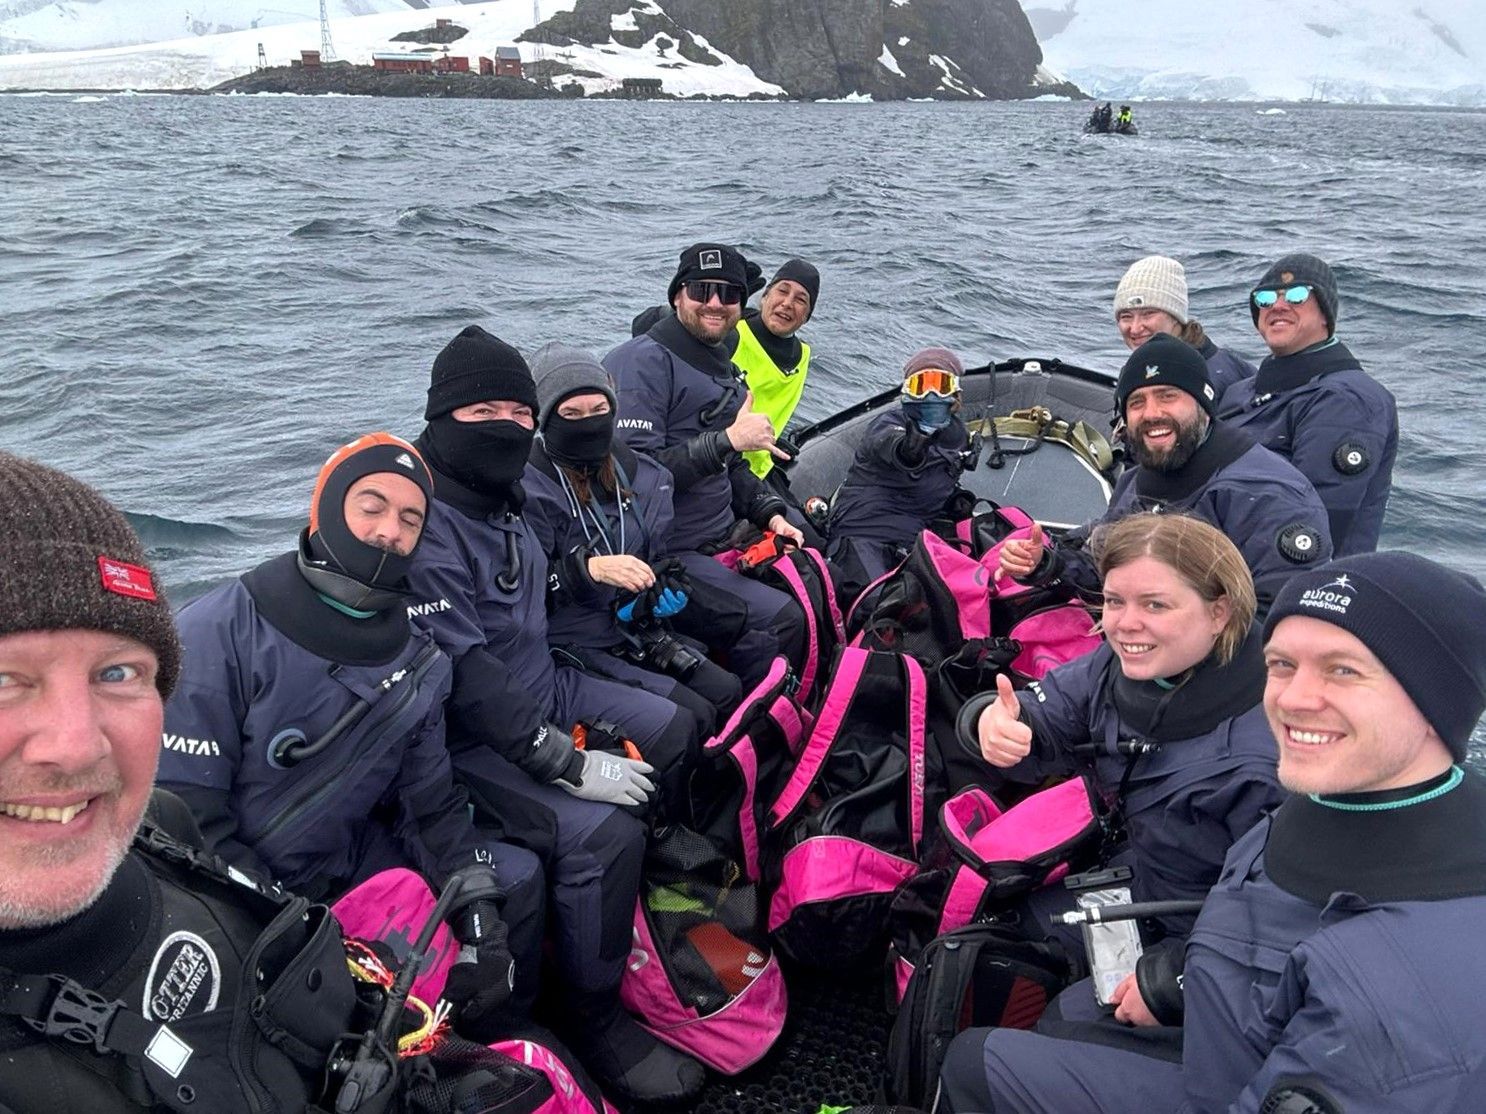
<point>832,1051</point>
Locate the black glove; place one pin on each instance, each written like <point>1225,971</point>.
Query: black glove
<point>480,982</point>
<point>753,275</point>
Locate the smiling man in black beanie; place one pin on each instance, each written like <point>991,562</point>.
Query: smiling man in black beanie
<point>1336,966</point>
<point>770,354</point>
<point>684,402</point>
<point>1312,403</point>
<point>1186,462</point>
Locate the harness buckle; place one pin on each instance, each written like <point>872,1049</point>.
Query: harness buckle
<point>77,1014</point>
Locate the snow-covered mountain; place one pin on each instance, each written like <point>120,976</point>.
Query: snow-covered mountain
<point>74,44</point>
<point>1366,51</point>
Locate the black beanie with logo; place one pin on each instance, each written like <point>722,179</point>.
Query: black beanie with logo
<point>709,263</point>
<point>478,367</point>
<point>1424,622</point>
<point>72,562</point>
<point>1165,361</point>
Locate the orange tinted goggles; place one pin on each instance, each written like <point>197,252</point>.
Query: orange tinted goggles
<point>931,381</point>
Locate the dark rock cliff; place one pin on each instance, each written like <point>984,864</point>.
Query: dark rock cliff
<point>828,48</point>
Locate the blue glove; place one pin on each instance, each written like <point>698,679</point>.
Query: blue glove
<point>627,612</point>
<point>671,601</point>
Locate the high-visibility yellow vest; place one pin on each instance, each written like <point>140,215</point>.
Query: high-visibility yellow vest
<point>776,390</point>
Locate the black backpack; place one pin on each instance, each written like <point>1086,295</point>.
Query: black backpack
<point>985,974</point>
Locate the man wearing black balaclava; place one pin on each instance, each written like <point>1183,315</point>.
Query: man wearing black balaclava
<point>480,585</point>
<point>307,730</point>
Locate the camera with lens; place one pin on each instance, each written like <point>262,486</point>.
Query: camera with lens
<point>657,648</point>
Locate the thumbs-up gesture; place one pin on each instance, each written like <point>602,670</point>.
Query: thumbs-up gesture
<point>1004,739</point>
<point>1021,556</point>
<point>752,430</point>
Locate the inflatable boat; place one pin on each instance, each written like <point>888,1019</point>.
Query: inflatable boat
<point>1041,427</point>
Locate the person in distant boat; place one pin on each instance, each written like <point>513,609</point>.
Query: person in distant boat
<point>906,468</point>
<point>307,730</point>
<point>767,349</point>
<point>1186,461</point>
<point>602,513</point>
<point>1152,298</point>
<point>1312,403</point>
<point>683,402</point>
<point>1336,965</point>
<point>1182,668</point>
<point>479,586</point>
<point>1125,122</point>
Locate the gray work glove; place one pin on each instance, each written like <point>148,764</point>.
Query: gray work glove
<point>611,779</point>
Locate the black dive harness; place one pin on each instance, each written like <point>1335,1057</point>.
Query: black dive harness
<point>197,1062</point>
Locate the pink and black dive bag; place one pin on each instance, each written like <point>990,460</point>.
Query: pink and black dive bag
<point>509,1077</point>
<point>802,574</point>
<point>746,765</point>
<point>701,975</point>
<point>989,858</point>
<point>847,825</point>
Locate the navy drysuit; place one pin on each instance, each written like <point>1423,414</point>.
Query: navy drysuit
<point>1180,808</point>
<point>581,618</point>
<point>899,480</point>
<point>1267,509</point>
<point>677,397</point>
<point>1333,422</point>
<point>268,662</point>
<point>1356,976</point>
<point>1224,366</point>
<point>479,581</point>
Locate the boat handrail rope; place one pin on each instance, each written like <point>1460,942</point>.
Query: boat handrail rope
<point>1037,424</point>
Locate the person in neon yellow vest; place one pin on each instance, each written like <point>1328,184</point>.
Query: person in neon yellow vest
<point>768,352</point>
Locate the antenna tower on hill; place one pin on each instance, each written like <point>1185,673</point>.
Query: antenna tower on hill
<point>327,50</point>
<point>538,51</point>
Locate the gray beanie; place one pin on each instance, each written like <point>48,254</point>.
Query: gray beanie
<point>72,562</point>
<point>562,370</point>
<point>1155,282</point>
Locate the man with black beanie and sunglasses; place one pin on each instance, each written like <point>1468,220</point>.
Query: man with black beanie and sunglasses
<point>1312,403</point>
<point>683,402</point>
<point>479,583</point>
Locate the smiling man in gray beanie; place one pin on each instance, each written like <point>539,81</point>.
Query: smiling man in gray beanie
<point>1312,403</point>
<point>1336,967</point>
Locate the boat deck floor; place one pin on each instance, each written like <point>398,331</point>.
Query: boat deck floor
<point>832,1051</point>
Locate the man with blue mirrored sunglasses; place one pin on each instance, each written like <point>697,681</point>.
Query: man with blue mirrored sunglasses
<point>1312,403</point>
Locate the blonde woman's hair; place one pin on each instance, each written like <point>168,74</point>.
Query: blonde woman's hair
<point>1198,553</point>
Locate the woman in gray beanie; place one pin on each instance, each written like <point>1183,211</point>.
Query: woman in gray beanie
<point>603,513</point>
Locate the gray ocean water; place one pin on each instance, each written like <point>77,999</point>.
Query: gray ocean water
<point>201,296</point>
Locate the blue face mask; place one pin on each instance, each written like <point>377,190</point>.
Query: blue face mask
<point>929,414</point>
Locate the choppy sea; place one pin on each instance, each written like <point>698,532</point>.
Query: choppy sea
<point>201,296</point>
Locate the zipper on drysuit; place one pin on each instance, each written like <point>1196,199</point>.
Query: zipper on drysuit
<point>407,685</point>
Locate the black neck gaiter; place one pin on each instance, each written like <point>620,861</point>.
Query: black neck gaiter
<point>486,456</point>
<point>582,443</point>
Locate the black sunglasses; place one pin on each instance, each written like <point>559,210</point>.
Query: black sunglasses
<point>724,292</point>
